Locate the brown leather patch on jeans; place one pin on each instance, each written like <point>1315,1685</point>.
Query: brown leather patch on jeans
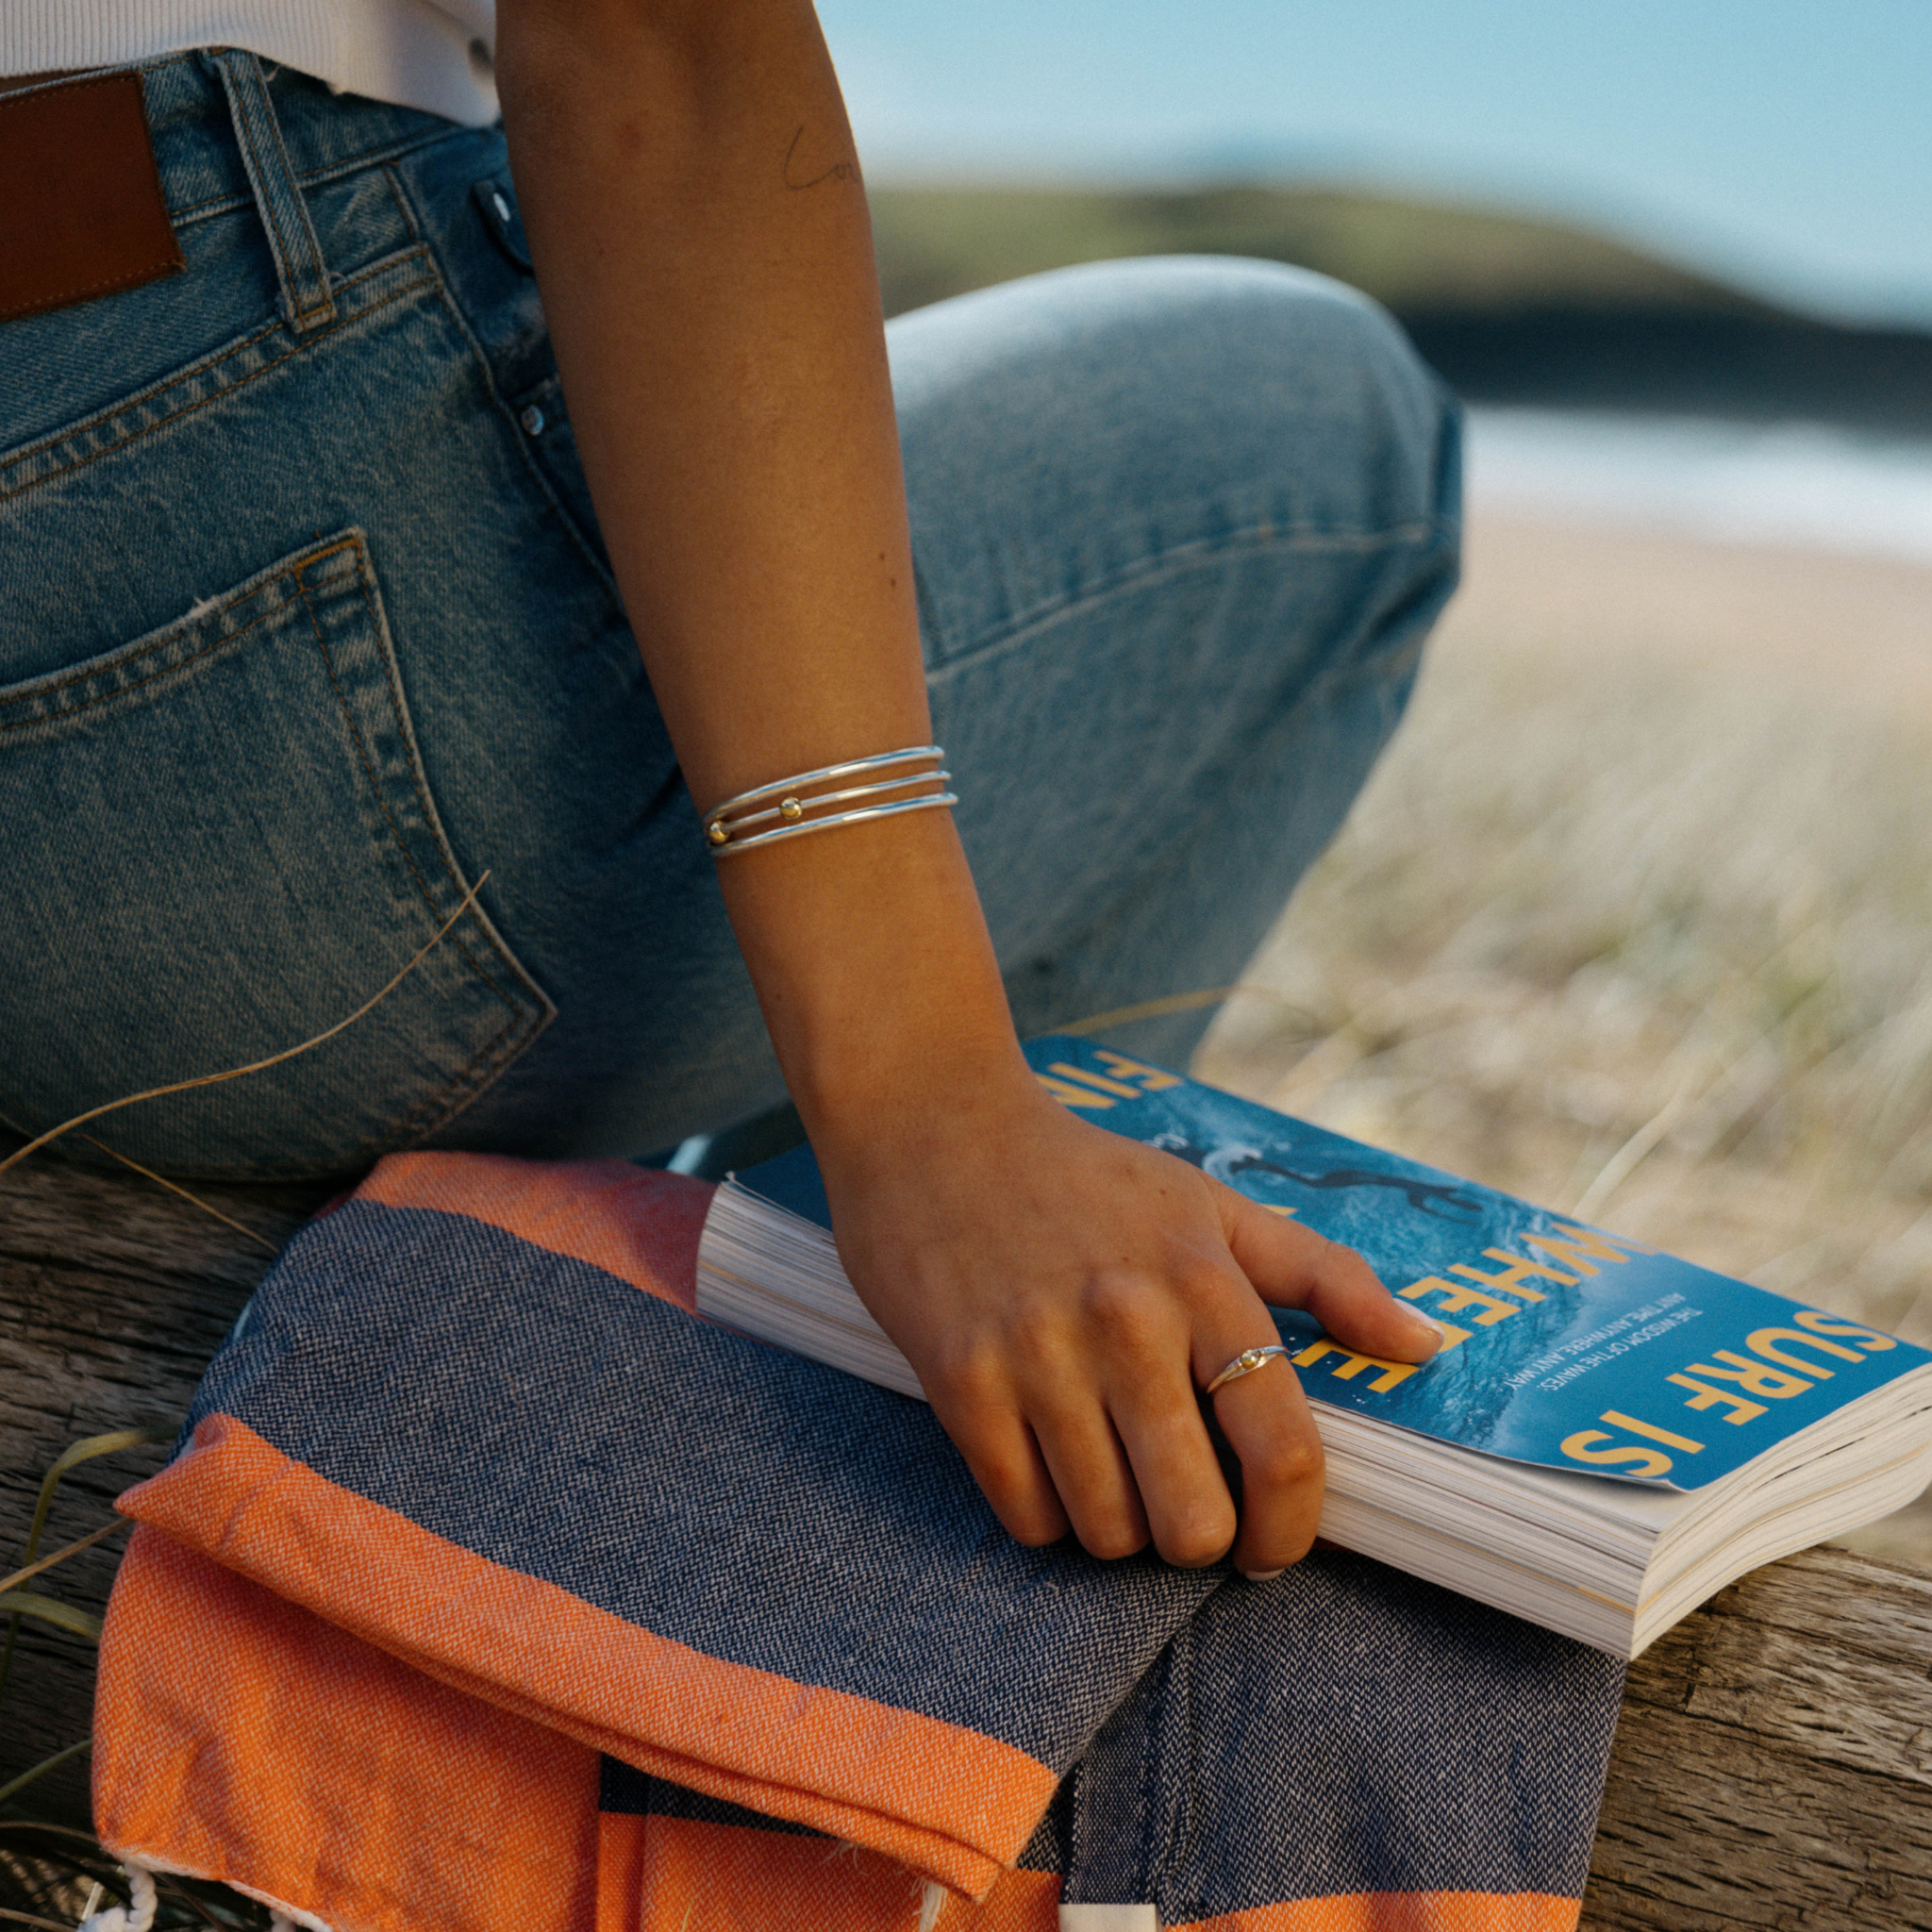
<point>81,209</point>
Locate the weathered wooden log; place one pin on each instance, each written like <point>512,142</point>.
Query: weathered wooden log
<point>1774,1763</point>
<point>113,1295</point>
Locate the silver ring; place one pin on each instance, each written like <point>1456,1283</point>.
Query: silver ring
<point>1246,1363</point>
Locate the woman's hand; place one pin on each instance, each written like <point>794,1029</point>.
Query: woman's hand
<point>1063,1293</point>
<point>695,211</point>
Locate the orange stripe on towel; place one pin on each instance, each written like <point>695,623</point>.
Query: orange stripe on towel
<point>620,1871</point>
<point>636,1222</point>
<point>947,1801</point>
<point>682,1875</point>
<point>280,1754</point>
<point>1405,1911</point>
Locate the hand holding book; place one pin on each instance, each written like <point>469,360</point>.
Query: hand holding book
<point>1604,1436</point>
<point>1064,1293</point>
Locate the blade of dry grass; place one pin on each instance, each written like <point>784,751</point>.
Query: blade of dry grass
<point>13,1918</point>
<point>73,1549</point>
<point>42,1767</point>
<point>87,1450</point>
<point>51,1610</point>
<point>160,1180</point>
<point>274,1059</point>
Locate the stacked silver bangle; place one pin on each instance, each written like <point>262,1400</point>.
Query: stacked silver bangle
<point>789,807</point>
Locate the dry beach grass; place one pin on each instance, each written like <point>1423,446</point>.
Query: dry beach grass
<point>1636,917</point>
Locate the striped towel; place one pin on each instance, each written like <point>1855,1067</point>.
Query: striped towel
<point>492,1588</point>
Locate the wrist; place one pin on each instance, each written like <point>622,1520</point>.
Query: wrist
<point>901,1086</point>
<point>878,982</point>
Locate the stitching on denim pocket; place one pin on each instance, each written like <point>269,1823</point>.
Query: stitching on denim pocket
<point>365,586</point>
<point>220,373</point>
<point>84,674</point>
<point>324,599</point>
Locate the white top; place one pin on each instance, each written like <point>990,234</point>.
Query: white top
<point>430,54</point>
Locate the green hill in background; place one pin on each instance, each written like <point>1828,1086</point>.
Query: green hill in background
<point>1509,307</point>
<point>1409,255</point>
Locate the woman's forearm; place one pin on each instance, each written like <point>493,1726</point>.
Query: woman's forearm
<point>700,234</point>
<point>694,207</point>
<point>694,204</point>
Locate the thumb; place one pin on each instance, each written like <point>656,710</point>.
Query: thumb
<point>1294,1267</point>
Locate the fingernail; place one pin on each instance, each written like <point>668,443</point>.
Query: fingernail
<point>1261,1575</point>
<point>1421,1320</point>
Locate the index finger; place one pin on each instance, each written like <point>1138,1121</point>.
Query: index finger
<point>1294,1267</point>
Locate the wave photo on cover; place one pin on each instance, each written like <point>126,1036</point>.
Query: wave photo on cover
<point>1607,1436</point>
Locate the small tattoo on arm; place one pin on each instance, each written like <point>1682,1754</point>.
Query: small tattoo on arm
<point>839,171</point>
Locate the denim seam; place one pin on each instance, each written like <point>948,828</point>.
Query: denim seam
<point>228,200</point>
<point>457,1093</point>
<point>68,433</point>
<point>379,156</point>
<point>447,1099</point>
<point>121,691</point>
<point>397,195</point>
<point>446,1102</point>
<point>418,783</point>
<point>168,633</point>
<point>450,1098</point>
<point>306,236</point>
<point>374,782</point>
<point>1197,555</point>
<point>193,211</point>
<point>509,417</point>
<point>344,164</point>
<point>208,362</point>
<point>196,212</point>
<point>559,508</point>
<point>216,110</point>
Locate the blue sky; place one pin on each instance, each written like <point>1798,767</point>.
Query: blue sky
<point>1786,143</point>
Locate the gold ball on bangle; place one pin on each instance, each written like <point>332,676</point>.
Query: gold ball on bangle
<point>716,833</point>
<point>791,809</point>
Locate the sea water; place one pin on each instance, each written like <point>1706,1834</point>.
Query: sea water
<point>1783,483</point>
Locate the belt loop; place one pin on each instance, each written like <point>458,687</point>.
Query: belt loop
<point>307,301</point>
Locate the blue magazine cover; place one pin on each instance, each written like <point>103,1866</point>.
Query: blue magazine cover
<point>1568,1347</point>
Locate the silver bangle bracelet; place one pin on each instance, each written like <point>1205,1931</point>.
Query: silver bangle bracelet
<point>839,818</point>
<point>850,791</point>
<point>729,827</point>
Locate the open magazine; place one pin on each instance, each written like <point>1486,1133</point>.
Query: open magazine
<point>1609,1435</point>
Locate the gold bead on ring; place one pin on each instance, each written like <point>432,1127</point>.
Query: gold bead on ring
<point>1244,1363</point>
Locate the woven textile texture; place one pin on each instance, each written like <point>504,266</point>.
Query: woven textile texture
<point>492,1587</point>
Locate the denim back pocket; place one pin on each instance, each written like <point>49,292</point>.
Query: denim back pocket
<point>219,843</point>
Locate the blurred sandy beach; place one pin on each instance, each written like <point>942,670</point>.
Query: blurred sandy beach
<point>1858,628</point>
<point>1636,916</point>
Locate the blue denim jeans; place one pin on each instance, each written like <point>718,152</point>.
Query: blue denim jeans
<point>305,625</point>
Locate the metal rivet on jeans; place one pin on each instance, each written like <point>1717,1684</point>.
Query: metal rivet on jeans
<point>532,420</point>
